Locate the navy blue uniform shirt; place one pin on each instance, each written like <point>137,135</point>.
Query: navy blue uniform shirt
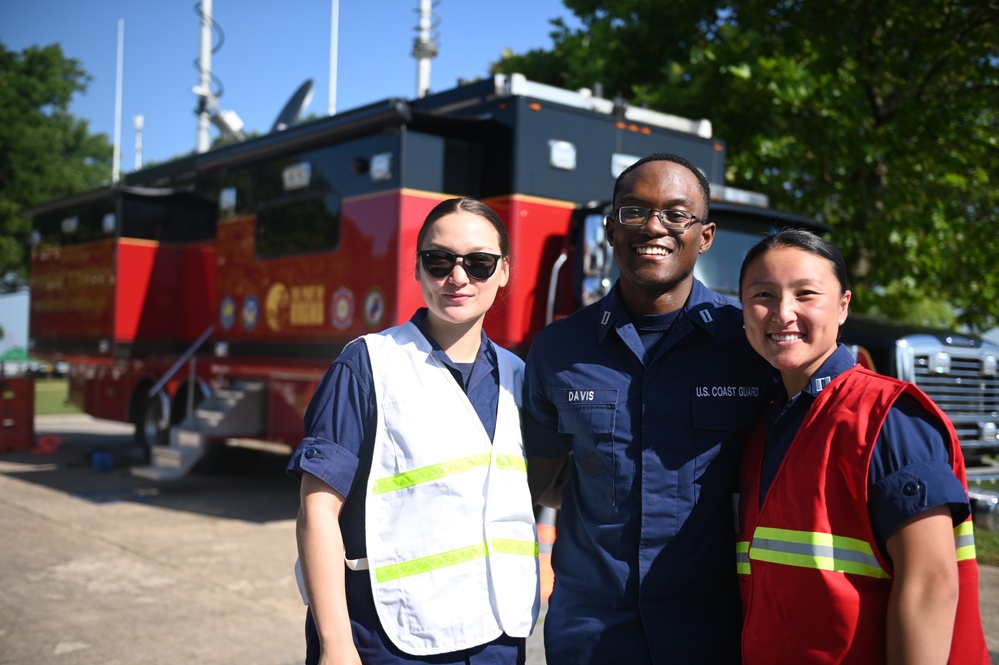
<point>911,448</point>
<point>340,425</point>
<point>644,554</point>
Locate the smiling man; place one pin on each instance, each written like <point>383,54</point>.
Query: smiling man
<point>648,393</point>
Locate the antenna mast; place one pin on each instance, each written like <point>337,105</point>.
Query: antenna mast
<point>228,122</point>
<point>139,121</point>
<point>334,44</point>
<point>425,46</point>
<point>205,79</point>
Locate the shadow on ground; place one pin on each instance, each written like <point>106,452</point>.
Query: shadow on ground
<point>94,466</point>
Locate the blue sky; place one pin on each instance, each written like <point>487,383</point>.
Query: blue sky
<point>270,48</point>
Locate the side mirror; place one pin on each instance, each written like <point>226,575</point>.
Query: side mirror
<point>598,259</point>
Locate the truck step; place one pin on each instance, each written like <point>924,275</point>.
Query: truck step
<point>176,460</point>
<point>238,410</point>
<point>238,390</point>
<point>156,473</point>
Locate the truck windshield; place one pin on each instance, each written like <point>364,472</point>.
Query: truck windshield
<point>719,267</point>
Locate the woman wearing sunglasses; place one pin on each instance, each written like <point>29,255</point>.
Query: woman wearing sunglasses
<point>856,541</point>
<point>416,531</point>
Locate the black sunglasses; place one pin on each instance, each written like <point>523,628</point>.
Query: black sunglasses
<point>477,265</point>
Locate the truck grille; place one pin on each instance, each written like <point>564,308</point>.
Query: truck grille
<point>965,395</point>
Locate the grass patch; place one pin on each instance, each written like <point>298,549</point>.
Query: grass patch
<point>987,548</point>
<point>986,542</point>
<point>52,397</point>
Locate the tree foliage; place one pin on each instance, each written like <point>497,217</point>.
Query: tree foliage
<point>45,152</point>
<point>881,119</point>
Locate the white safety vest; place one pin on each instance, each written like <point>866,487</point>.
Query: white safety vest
<point>451,542</point>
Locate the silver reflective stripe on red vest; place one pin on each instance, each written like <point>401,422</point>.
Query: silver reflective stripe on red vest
<point>964,540</point>
<point>825,551</point>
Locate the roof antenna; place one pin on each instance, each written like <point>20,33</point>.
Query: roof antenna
<point>294,107</point>
<point>425,46</point>
<point>208,112</point>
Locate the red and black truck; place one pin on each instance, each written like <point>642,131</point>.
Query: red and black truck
<point>202,299</point>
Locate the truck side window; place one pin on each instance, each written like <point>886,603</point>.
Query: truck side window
<point>298,224</point>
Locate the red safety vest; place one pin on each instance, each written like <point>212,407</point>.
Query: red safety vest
<point>814,584</point>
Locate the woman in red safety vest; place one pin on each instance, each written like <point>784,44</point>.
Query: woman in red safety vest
<point>855,540</point>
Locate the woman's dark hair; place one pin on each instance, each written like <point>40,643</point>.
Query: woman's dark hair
<point>798,239</point>
<point>470,205</point>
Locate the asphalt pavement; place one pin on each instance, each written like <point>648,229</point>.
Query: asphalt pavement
<point>99,567</point>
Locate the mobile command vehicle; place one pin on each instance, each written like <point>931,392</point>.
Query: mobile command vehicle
<point>203,299</point>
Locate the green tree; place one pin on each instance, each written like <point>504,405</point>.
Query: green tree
<point>45,152</point>
<point>878,118</point>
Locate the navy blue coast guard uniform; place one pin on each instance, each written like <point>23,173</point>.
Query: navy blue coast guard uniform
<point>644,556</point>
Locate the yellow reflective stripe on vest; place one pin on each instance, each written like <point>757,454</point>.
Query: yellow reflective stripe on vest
<point>742,557</point>
<point>513,546</point>
<point>964,540</point>
<point>453,557</point>
<point>511,463</point>
<point>426,474</point>
<point>811,549</point>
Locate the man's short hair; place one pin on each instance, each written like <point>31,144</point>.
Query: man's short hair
<point>676,159</point>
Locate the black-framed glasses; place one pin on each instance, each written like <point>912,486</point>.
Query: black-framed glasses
<point>477,265</point>
<point>672,220</point>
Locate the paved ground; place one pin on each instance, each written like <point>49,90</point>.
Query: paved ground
<point>103,568</point>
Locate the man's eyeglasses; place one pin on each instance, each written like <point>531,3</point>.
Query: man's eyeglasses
<point>672,220</point>
<point>477,265</point>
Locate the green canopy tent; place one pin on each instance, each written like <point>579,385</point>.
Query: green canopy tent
<point>15,354</point>
<point>16,361</point>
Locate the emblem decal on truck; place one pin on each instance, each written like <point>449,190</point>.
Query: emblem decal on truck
<point>227,313</point>
<point>251,312</point>
<point>278,306</point>
<point>374,308</point>
<point>342,308</point>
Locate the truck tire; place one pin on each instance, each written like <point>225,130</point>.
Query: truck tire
<point>152,423</point>
<point>178,413</point>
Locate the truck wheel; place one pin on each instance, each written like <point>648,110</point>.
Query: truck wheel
<point>178,413</point>
<point>152,423</point>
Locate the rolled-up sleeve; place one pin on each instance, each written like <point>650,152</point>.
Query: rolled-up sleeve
<point>339,422</point>
<point>910,471</point>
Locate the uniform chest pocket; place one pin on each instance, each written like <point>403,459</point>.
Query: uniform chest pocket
<point>726,413</point>
<point>590,416</point>
<point>586,413</point>
<point>720,427</point>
